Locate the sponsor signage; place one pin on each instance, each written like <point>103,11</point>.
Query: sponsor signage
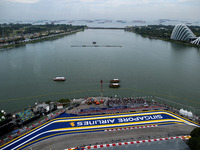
<point>121,120</point>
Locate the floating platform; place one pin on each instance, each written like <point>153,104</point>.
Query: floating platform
<point>96,46</point>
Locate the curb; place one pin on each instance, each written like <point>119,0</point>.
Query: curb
<point>128,143</point>
<point>129,128</point>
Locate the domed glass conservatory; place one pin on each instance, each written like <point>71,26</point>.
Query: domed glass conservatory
<point>182,32</point>
<point>197,41</point>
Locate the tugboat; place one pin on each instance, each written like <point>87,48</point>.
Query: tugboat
<point>114,81</point>
<point>59,79</point>
<point>114,85</point>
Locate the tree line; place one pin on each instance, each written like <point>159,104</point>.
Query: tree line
<point>159,31</point>
<point>11,29</point>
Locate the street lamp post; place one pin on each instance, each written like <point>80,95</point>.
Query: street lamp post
<point>101,88</point>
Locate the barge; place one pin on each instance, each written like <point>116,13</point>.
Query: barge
<point>114,81</point>
<point>114,85</point>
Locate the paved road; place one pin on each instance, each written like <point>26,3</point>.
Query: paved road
<point>94,138</point>
<point>80,124</point>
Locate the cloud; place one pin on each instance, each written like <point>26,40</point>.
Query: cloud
<point>24,1</point>
<point>188,0</point>
<point>99,8</point>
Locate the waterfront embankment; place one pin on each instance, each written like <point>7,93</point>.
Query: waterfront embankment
<point>161,32</point>
<point>39,39</point>
<point>19,34</point>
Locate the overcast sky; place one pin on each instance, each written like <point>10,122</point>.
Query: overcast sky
<point>100,9</point>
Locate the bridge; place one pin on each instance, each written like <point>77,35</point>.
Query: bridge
<point>114,28</point>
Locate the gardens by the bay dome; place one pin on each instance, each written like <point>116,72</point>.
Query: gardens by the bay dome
<point>197,41</point>
<point>182,33</point>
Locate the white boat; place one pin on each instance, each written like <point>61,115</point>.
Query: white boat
<point>59,79</point>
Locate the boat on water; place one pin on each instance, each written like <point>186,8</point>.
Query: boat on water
<point>114,85</point>
<point>114,81</point>
<point>59,79</point>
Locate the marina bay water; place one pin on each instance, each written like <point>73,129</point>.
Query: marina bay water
<point>144,66</point>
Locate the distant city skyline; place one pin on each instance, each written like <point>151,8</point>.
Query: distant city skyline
<point>99,9</point>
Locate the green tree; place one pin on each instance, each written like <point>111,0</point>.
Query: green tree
<point>194,141</point>
<point>195,132</point>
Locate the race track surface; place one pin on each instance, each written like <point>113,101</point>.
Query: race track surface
<point>64,124</point>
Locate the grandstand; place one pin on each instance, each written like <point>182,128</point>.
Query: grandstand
<point>118,105</point>
<point>119,110</point>
<point>25,115</point>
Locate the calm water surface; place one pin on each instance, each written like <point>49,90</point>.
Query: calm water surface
<point>144,66</point>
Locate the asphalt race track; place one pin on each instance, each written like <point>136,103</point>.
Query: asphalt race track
<point>64,124</point>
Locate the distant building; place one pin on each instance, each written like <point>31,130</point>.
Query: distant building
<point>45,108</point>
<point>59,106</point>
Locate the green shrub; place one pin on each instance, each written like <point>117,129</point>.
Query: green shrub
<point>64,100</point>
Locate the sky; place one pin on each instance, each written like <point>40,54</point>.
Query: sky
<point>99,9</point>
